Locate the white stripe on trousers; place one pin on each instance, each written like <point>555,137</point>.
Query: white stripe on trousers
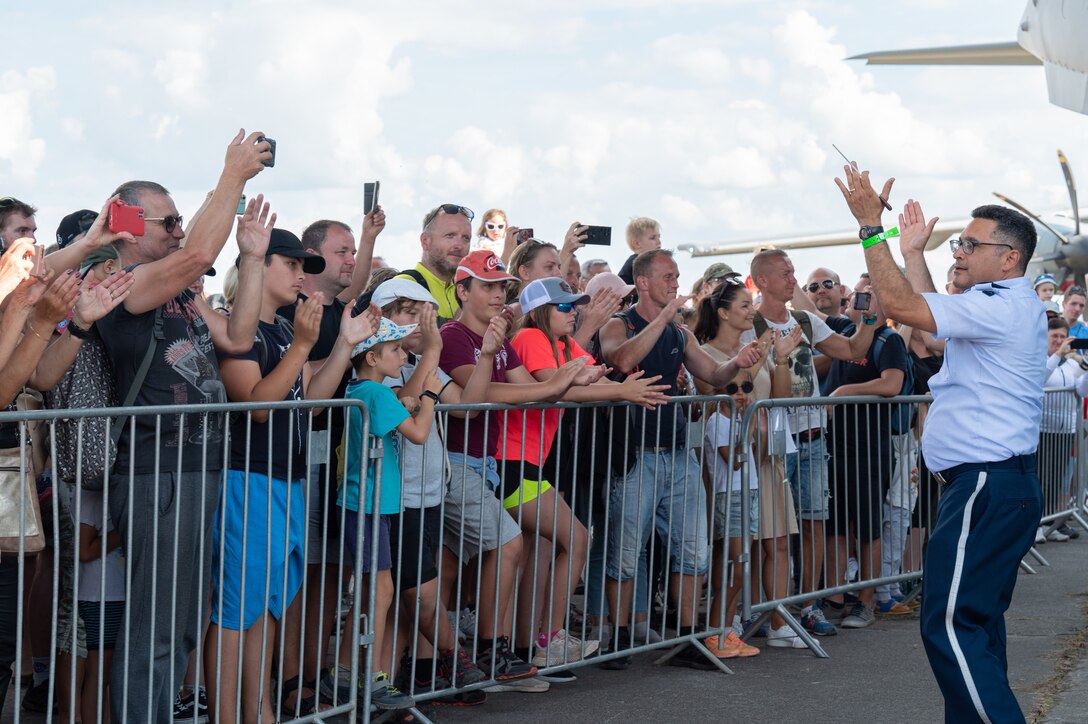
<point>953,592</point>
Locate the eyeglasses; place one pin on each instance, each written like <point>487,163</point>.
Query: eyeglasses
<point>826,284</point>
<point>564,307</point>
<point>494,227</point>
<point>732,388</point>
<point>968,246</point>
<point>449,209</point>
<point>169,223</point>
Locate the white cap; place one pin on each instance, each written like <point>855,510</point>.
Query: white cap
<point>392,289</point>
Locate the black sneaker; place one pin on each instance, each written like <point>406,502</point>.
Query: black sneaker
<point>36,698</point>
<point>558,677</point>
<point>460,669</point>
<point>692,658</point>
<point>624,642</point>
<point>508,666</point>
<point>190,708</point>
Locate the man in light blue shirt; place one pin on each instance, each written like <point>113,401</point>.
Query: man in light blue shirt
<point>980,436</point>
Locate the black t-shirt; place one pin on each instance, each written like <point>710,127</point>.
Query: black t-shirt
<point>326,340</point>
<point>626,272</point>
<point>9,431</point>
<point>288,454</point>
<point>183,371</point>
<point>840,325</point>
<point>924,368</point>
<point>860,431</point>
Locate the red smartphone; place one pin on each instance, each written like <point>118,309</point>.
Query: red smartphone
<point>123,217</point>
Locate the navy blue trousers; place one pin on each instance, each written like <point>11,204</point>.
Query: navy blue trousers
<point>986,522</point>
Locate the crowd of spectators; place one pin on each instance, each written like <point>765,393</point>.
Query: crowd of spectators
<point>487,525</point>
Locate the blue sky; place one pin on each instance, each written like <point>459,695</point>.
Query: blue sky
<point>714,117</point>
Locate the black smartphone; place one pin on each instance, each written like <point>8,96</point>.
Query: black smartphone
<point>272,161</point>
<point>599,235</point>
<point>362,303</point>
<point>525,234</point>
<point>1079,343</point>
<point>862,301</point>
<point>370,195</point>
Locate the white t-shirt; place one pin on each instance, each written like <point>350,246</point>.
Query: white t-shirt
<point>802,371</point>
<point>719,433</point>
<point>90,573</point>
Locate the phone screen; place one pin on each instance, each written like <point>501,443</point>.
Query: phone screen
<point>1080,343</point>
<point>862,300</point>
<point>525,234</point>
<point>370,195</point>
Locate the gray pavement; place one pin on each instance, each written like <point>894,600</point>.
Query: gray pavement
<point>874,675</point>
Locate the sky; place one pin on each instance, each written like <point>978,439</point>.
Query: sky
<point>715,117</point>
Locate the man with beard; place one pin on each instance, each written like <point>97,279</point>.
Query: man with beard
<point>446,236</point>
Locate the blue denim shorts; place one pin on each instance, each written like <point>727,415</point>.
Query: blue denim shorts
<point>807,471</point>
<point>664,488</point>
<point>727,514</point>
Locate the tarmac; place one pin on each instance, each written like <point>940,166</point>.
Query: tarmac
<point>877,674</point>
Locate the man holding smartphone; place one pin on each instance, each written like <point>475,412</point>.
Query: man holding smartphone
<point>981,432</point>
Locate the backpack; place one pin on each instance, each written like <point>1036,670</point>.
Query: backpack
<point>759,325</point>
<point>418,279</point>
<point>902,413</point>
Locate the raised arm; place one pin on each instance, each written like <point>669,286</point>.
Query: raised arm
<point>71,256</point>
<point>373,223</point>
<point>702,366</point>
<point>353,330</point>
<point>15,266</point>
<point>50,309</point>
<point>901,301</point>
<point>234,334</point>
<point>595,314</point>
<point>572,242</point>
<point>161,280</point>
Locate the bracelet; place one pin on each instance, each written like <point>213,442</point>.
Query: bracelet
<point>430,396</point>
<point>882,236</point>
<point>78,332</point>
<point>35,332</point>
<point>784,363</point>
<point>868,320</point>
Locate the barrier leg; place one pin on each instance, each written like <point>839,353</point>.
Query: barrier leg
<point>1034,553</point>
<point>661,661</point>
<point>811,643</point>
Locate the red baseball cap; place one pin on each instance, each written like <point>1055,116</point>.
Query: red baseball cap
<point>483,265</point>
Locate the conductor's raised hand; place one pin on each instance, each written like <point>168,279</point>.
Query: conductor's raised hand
<point>865,203</point>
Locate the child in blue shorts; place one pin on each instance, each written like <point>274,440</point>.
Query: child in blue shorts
<point>260,526</point>
<point>374,359</point>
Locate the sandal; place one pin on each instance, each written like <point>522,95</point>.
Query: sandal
<point>307,705</point>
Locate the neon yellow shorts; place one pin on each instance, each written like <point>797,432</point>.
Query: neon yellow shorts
<point>528,491</point>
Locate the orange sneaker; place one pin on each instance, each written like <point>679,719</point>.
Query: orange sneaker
<point>730,647</point>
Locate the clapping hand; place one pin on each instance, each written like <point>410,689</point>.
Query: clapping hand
<point>865,203</point>
<point>100,299</point>
<point>914,232</point>
<point>255,228</point>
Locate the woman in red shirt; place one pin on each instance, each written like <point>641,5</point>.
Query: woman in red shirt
<point>554,534</point>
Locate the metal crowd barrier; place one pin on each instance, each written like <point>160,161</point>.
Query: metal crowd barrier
<point>566,564</point>
<point>165,539</point>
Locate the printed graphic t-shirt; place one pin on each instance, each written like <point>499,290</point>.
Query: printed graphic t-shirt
<point>183,371</point>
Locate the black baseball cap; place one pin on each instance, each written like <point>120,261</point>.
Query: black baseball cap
<point>74,224</point>
<point>285,243</point>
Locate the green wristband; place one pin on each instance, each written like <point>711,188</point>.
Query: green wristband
<point>878,238</point>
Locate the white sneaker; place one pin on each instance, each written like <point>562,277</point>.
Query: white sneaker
<point>1057,536</point>
<point>642,631</point>
<point>784,638</point>
<point>1039,537</point>
<point>531,685</point>
<point>564,648</point>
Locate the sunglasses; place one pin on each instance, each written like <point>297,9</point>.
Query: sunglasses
<point>1075,290</point>
<point>491,226</point>
<point>449,209</point>
<point>732,388</point>
<point>564,307</point>
<point>826,284</point>
<point>168,222</point>
<point>7,201</point>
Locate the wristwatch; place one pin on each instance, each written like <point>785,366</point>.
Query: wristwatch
<point>431,395</point>
<point>868,232</point>
<point>868,319</point>
<point>78,332</point>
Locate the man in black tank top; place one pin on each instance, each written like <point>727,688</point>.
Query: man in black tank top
<point>665,484</point>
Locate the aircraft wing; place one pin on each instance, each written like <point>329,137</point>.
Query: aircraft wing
<point>941,232</point>
<point>1010,53</point>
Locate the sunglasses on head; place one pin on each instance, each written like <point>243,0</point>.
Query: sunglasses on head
<point>1075,290</point>
<point>732,388</point>
<point>449,209</point>
<point>826,284</point>
<point>8,201</point>
<point>168,222</point>
<point>492,226</point>
<point>564,307</point>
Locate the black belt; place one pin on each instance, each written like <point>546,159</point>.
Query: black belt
<point>809,435</point>
<point>1023,463</point>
